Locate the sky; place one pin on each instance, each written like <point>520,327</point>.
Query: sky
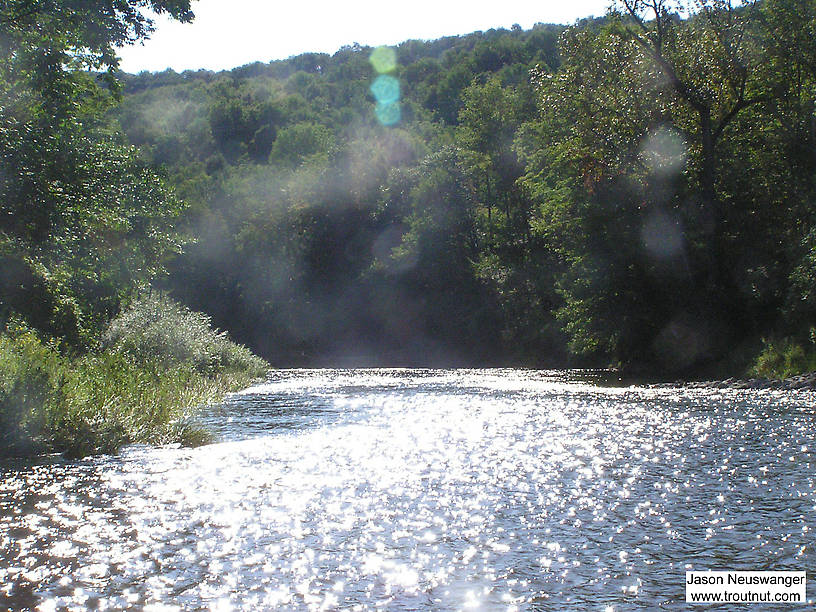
<point>230,33</point>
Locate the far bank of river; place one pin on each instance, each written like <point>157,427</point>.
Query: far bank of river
<point>794,383</point>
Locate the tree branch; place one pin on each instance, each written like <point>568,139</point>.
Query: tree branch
<point>691,96</point>
<point>741,104</point>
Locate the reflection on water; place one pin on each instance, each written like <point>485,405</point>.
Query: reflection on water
<point>406,489</point>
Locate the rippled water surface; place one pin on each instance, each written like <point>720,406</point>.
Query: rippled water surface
<point>424,489</point>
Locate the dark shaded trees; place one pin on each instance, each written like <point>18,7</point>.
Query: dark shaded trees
<point>664,183</point>
<point>586,169</point>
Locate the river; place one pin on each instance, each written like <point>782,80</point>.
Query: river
<point>424,490</point>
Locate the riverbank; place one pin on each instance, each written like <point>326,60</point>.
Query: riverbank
<point>800,382</point>
<point>155,365</point>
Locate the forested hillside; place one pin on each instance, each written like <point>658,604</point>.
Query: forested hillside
<point>632,190</point>
<point>326,232</point>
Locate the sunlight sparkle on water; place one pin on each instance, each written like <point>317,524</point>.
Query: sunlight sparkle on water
<point>405,489</point>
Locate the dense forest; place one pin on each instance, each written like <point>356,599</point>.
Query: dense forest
<point>329,228</point>
<point>635,190</point>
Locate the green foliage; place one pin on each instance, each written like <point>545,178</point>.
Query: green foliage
<point>657,152</point>
<point>47,46</point>
<point>84,224</point>
<point>783,359</point>
<point>590,215</point>
<point>110,400</point>
<point>155,327</point>
<point>30,379</point>
<point>299,142</point>
<point>160,364</point>
<point>243,121</point>
<point>633,190</point>
<point>82,221</point>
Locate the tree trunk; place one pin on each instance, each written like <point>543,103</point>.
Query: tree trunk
<point>708,170</point>
<point>489,196</point>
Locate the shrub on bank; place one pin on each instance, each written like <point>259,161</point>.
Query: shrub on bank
<point>157,327</point>
<point>783,359</point>
<point>158,363</point>
<point>110,400</point>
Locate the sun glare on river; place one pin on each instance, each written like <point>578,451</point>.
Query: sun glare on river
<point>422,489</point>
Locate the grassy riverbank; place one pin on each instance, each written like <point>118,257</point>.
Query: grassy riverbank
<point>156,363</point>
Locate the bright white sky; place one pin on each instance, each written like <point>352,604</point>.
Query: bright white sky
<point>230,33</point>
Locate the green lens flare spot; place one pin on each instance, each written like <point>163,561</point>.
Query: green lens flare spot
<point>388,113</point>
<point>384,59</point>
<point>385,89</point>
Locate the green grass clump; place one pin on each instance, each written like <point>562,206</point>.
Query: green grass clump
<point>159,362</point>
<point>110,400</point>
<point>783,359</point>
<point>30,379</point>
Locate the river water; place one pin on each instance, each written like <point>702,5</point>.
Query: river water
<point>424,490</point>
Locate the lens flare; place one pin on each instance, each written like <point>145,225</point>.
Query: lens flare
<point>385,89</point>
<point>388,113</point>
<point>383,59</point>
<point>664,151</point>
<point>662,235</point>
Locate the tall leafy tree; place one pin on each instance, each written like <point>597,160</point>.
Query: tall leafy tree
<point>708,54</point>
<point>660,137</point>
<point>741,74</point>
<point>586,170</point>
<point>82,220</point>
<point>789,69</point>
<point>490,116</point>
<point>709,60</point>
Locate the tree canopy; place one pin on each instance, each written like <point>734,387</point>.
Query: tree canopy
<point>631,190</point>
<point>83,221</point>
